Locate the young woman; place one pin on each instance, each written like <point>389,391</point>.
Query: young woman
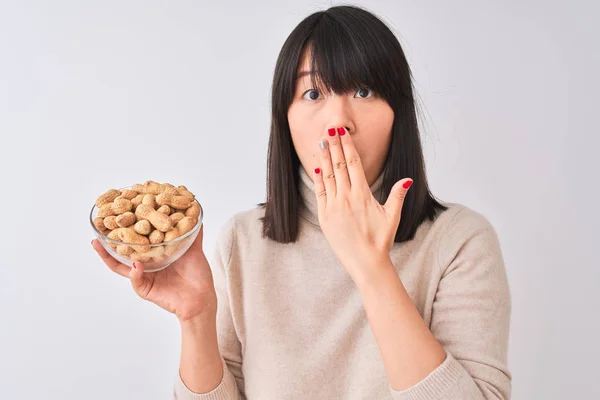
<point>351,281</point>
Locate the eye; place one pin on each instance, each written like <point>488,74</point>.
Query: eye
<point>312,94</point>
<point>364,93</point>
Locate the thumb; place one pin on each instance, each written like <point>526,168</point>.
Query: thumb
<point>138,281</point>
<point>196,246</point>
<point>395,200</point>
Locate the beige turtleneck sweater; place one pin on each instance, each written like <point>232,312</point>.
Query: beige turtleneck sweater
<point>291,324</point>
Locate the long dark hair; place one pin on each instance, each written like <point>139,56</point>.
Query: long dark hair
<point>350,48</point>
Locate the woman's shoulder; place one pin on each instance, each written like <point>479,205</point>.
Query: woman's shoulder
<point>464,229</point>
<point>245,224</point>
<point>459,218</point>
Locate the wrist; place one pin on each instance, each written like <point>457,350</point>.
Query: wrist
<point>197,310</point>
<point>201,368</point>
<point>198,322</point>
<point>373,273</point>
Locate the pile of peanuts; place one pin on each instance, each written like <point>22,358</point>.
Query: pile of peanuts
<point>149,213</point>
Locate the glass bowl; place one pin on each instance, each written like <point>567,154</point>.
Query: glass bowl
<point>155,257</point>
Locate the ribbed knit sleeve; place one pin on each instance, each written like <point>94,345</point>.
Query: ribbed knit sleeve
<point>470,318</point>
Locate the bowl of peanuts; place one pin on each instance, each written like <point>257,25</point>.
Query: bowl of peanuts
<point>154,223</point>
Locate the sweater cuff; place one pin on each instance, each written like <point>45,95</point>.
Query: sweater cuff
<point>439,383</point>
<point>227,389</point>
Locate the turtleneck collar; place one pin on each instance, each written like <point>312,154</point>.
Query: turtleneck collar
<point>307,193</point>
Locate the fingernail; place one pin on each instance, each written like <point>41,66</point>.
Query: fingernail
<point>92,242</point>
<point>317,170</point>
<point>407,184</point>
<point>331,131</point>
<point>134,265</point>
<point>341,131</point>
<point>323,144</point>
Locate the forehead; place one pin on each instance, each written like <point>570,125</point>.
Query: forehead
<point>304,63</point>
<point>303,66</point>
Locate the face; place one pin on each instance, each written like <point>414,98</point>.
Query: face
<point>367,118</point>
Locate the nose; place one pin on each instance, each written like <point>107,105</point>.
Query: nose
<point>339,113</point>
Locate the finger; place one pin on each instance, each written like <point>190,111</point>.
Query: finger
<point>395,200</point>
<point>109,260</point>
<point>327,169</point>
<point>356,173</point>
<point>338,160</point>
<point>320,191</point>
<point>139,282</point>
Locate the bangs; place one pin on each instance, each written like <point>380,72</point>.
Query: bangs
<point>348,54</point>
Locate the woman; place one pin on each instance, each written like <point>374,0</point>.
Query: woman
<point>351,281</point>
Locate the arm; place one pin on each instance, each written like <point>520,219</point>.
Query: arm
<point>200,366</point>
<point>471,310</point>
<point>462,355</point>
<point>408,348</point>
<point>211,361</point>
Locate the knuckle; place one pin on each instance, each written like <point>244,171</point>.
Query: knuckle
<point>354,161</point>
<point>322,193</point>
<point>340,165</point>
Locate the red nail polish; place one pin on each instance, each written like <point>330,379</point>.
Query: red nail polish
<point>407,184</point>
<point>331,131</point>
<point>134,266</point>
<point>341,131</point>
<point>317,170</point>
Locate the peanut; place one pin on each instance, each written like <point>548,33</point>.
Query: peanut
<point>143,227</point>
<point>129,236</point>
<point>150,187</point>
<point>156,237</point>
<point>137,200</point>
<point>186,225</point>
<point>176,217</point>
<point>183,191</point>
<point>107,197</point>
<point>164,210</point>
<point>157,251</point>
<point>183,227</point>
<point>193,211</point>
<point>126,219</point>
<point>114,235</point>
<point>99,224</point>
<point>124,250</point>
<point>128,194</point>
<point>158,220</point>
<point>179,202</point>
<point>110,222</point>
<point>171,190</point>
<point>149,200</point>
<point>171,247</point>
<point>120,206</point>
<point>106,210</point>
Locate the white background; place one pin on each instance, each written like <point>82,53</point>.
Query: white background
<point>102,94</point>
